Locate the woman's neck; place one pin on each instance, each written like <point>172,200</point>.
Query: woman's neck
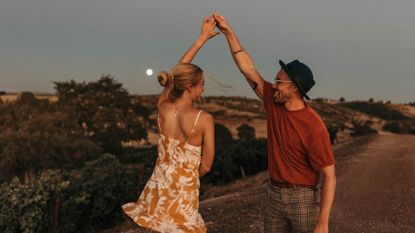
<point>184,101</point>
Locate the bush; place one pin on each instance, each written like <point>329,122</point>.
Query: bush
<point>60,201</point>
<point>402,127</point>
<point>380,110</point>
<point>223,135</point>
<point>28,208</point>
<point>246,132</point>
<point>333,131</point>
<point>40,143</point>
<point>361,128</point>
<point>237,160</point>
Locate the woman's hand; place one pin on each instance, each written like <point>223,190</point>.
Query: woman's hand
<point>221,23</point>
<point>207,32</point>
<point>208,28</point>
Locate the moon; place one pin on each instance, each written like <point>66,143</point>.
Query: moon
<point>149,72</point>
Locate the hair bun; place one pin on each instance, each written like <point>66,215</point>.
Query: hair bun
<point>165,78</point>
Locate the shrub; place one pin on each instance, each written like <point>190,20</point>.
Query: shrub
<point>61,201</point>
<point>380,110</point>
<point>361,128</point>
<point>223,135</point>
<point>403,127</point>
<point>237,160</point>
<point>246,132</point>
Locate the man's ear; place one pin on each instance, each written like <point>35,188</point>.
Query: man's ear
<point>295,89</point>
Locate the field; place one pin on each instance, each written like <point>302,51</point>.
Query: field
<point>60,133</point>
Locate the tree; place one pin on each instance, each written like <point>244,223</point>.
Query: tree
<point>246,132</point>
<point>39,143</point>
<point>222,135</point>
<point>104,111</point>
<point>342,100</point>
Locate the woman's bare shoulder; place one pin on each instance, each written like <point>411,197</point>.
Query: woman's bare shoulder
<point>206,118</point>
<point>165,106</point>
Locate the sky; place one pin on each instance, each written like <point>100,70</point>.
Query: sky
<point>356,49</point>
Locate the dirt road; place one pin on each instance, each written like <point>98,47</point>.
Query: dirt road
<point>375,192</point>
<point>376,188</point>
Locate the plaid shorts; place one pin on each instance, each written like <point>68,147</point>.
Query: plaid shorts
<point>291,209</point>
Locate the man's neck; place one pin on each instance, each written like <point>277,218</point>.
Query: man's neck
<point>294,104</point>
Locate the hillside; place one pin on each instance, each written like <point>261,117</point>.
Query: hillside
<point>234,111</point>
<point>231,112</point>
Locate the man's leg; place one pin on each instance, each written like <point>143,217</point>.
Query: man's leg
<point>303,209</point>
<point>275,216</point>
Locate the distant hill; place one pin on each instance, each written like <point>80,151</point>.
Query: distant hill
<point>234,111</point>
<point>341,116</point>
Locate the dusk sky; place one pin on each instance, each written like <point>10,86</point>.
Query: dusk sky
<point>356,49</point>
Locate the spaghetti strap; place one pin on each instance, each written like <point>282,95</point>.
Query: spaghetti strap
<point>194,125</point>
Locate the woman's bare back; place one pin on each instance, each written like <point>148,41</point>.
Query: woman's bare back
<point>180,123</point>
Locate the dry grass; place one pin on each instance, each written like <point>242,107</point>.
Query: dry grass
<point>13,97</point>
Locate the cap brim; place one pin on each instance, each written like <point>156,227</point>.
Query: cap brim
<point>285,68</point>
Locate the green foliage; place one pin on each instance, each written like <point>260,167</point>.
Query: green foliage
<point>139,155</point>
<point>26,107</point>
<point>334,130</point>
<point>361,128</point>
<point>67,202</point>
<point>34,137</point>
<point>236,160</point>
<point>28,208</point>
<point>380,110</point>
<point>222,135</point>
<point>246,132</point>
<point>402,127</point>
<point>103,111</point>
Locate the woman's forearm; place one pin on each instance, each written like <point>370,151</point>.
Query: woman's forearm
<point>192,51</point>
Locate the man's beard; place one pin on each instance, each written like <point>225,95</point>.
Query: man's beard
<point>279,98</point>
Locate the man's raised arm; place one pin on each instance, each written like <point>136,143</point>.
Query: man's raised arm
<point>241,57</point>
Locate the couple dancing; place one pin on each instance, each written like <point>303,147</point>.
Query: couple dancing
<point>299,150</point>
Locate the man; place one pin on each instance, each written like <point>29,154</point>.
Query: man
<point>299,150</point>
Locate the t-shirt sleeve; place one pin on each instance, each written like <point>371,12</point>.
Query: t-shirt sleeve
<point>319,151</point>
<point>268,95</point>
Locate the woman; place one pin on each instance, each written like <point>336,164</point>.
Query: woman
<point>170,200</point>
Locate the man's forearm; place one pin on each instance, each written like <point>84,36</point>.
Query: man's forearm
<point>240,56</point>
<point>327,198</point>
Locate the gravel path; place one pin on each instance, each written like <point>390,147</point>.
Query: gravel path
<point>375,192</point>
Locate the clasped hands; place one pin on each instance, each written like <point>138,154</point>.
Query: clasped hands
<point>209,24</point>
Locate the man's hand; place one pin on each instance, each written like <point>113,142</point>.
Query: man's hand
<point>321,228</point>
<point>207,32</point>
<point>208,28</point>
<point>222,24</point>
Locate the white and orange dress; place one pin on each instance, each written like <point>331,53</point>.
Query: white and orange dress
<point>170,200</point>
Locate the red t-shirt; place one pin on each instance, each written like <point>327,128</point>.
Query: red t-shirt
<point>298,143</point>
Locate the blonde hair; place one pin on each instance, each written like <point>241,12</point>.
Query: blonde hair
<point>182,77</point>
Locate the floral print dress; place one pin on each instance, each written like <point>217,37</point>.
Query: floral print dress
<point>170,200</point>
